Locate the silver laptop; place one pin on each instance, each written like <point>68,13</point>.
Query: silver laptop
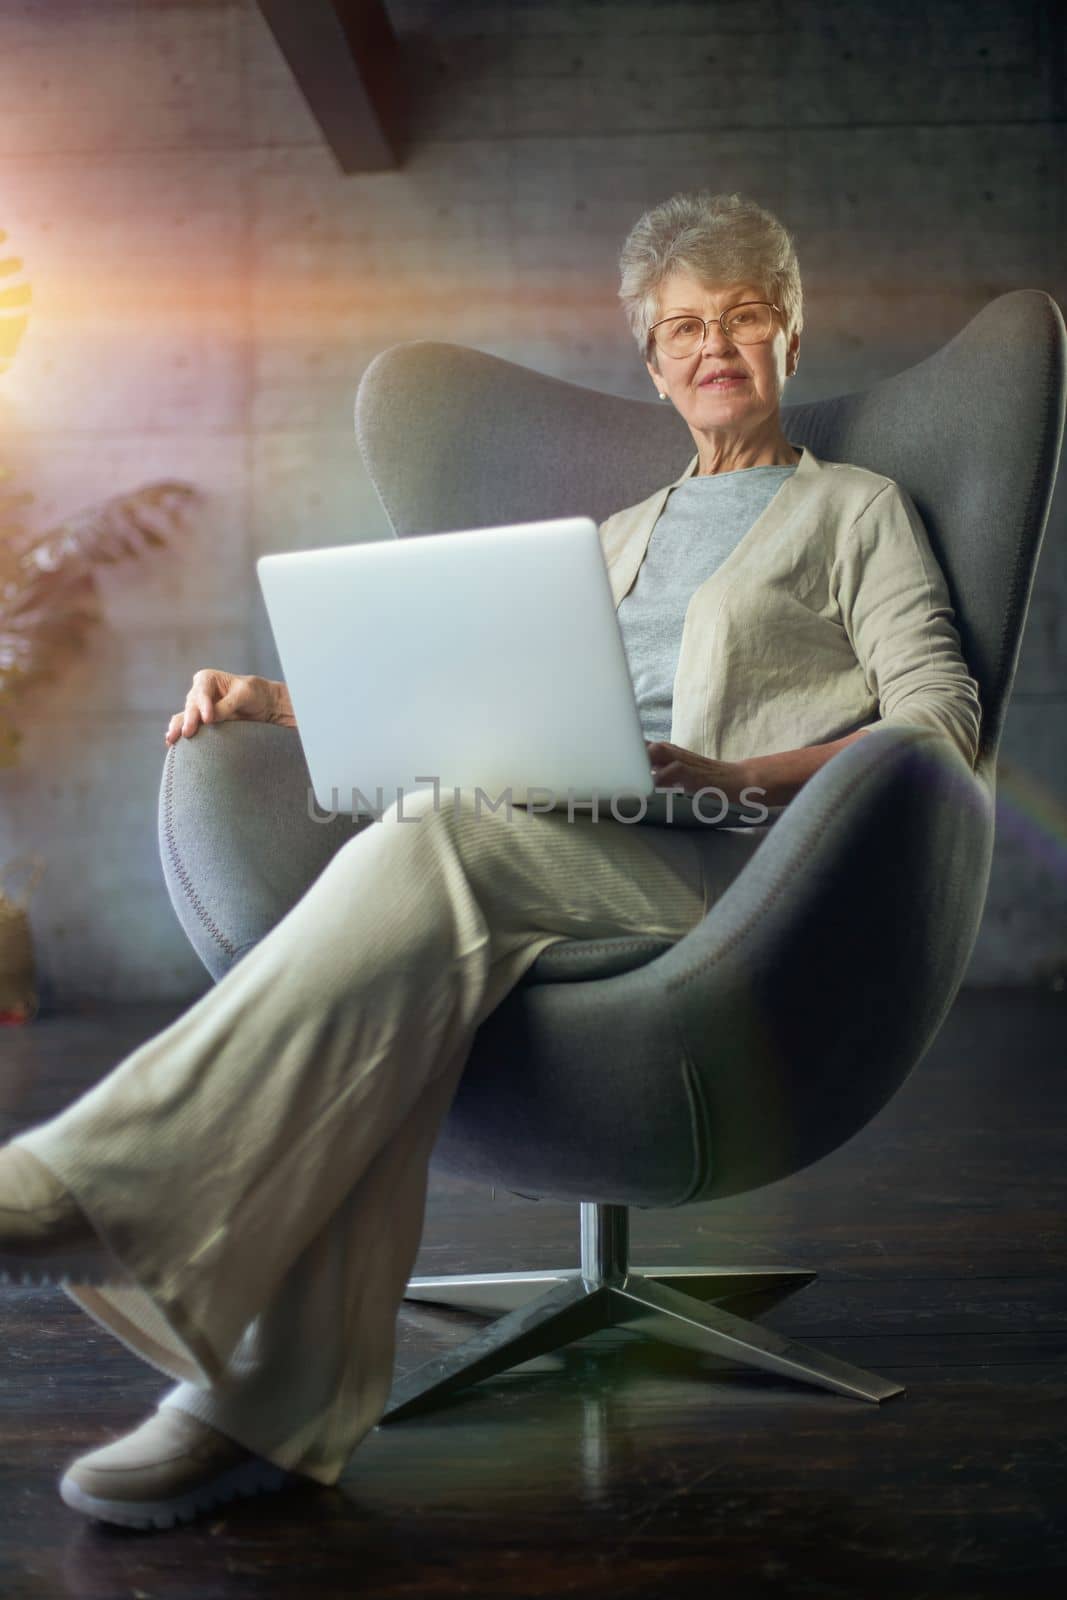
<point>487,659</point>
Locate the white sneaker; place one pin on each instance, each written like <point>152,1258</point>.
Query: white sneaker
<point>168,1470</point>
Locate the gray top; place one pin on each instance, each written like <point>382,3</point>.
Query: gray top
<point>702,521</point>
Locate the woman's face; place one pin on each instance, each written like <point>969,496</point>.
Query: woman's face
<point>734,408</point>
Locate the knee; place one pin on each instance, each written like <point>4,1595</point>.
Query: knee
<point>463,821</point>
<point>440,807</point>
<point>409,810</point>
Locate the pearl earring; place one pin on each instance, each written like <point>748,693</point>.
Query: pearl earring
<point>663,396</point>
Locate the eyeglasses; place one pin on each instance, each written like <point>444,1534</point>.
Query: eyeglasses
<point>746,323</point>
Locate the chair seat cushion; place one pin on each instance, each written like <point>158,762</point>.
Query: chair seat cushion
<point>577,960</point>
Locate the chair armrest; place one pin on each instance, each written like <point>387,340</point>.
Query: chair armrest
<point>821,977</point>
<point>237,839</point>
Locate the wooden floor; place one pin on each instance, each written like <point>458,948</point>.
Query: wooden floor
<point>618,1468</point>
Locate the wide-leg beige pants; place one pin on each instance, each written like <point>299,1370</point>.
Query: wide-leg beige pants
<point>260,1167</point>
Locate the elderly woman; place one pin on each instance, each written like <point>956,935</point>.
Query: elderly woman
<point>241,1200</point>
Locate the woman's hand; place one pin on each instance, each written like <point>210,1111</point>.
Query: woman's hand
<point>675,768</point>
<point>225,696</point>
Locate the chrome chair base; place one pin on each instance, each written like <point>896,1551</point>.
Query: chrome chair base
<point>543,1311</point>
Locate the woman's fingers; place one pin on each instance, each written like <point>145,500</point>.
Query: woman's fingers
<point>215,697</point>
<point>185,723</point>
<point>192,711</point>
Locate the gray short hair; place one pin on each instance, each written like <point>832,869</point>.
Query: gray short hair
<point>720,238</point>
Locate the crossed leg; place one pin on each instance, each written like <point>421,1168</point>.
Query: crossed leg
<point>260,1166</point>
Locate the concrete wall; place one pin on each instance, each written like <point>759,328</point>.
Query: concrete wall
<point>208,290</point>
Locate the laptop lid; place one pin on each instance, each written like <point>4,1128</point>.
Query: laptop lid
<point>490,657</point>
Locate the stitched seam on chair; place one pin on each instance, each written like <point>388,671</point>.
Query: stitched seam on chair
<point>178,867</point>
<point>587,945</point>
<point>701,1158</point>
<point>816,828</point>
<point>1015,584</point>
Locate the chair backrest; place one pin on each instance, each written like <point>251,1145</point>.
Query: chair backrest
<point>454,438</point>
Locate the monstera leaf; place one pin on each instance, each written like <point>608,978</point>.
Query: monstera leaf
<point>48,594</point>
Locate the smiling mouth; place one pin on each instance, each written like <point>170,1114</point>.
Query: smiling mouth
<point>711,383</point>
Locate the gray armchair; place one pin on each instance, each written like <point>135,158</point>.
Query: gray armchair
<point>642,1072</point>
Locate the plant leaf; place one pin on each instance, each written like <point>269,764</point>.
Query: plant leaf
<point>48,591</point>
<point>116,528</point>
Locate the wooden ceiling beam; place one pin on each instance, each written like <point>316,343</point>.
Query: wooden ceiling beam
<point>345,58</point>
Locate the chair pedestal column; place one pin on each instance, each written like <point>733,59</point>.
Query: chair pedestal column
<point>683,1306</point>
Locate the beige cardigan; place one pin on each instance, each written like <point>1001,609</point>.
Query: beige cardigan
<point>830,613</point>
